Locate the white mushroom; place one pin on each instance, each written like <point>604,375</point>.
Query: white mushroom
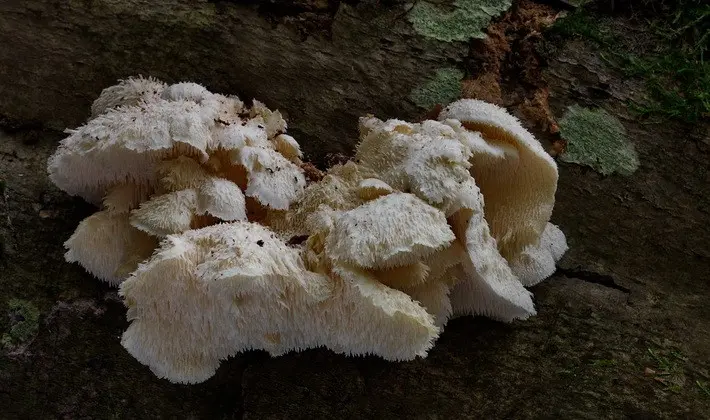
<point>391,231</point>
<point>108,247</point>
<point>273,120</point>
<point>428,159</point>
<point>489,287</point>
<point>288,147</point>
<point>125,144</point>
<point>187,91</point>
<point>537,262</point>
<point>519,188</point>
<point>372,188</point>
<point>131,91</point>
<point>338,190</point>
<point>210,293</point>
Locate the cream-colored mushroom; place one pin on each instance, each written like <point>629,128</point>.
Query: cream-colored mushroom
<point>125,144</point>
<point>288,147</point>
<point>272,179</point>
<point>488,287</point>
<point>108,247</point>
<point>128,92</point>
<point>391,231</point>
<point>429,159</point>
<point>210,293</point>
<point>186,91</point>
<point>273,120</point>
<point>338,190</point>
<point>125,197</point>
<point>372,188</point>
<point>519,188</point>
<point>537,262</point>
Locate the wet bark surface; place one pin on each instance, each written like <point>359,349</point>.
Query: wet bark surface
<point>623,327</point>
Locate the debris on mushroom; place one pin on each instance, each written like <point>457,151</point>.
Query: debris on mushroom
<point>337,190</point>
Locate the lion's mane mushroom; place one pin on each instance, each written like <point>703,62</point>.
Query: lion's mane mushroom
<point>518,180</point>
<point>430,220</point>
<point>434,161</point>
<point>429,159</point>
<point>131,91</point>
<point>337,190</point>
<point>376,235</point>
<point>172,158</point>
<point>209,293</point>
<point>108,247</point>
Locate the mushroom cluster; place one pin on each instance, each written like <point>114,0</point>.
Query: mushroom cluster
<point>220,246</point>
<point>165,159</point>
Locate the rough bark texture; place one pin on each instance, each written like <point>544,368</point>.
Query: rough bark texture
<point>623,329</point>
<point>360,59</point>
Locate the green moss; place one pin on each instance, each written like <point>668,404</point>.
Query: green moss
<point>597,139</point>
<point>673,63</point>
<point>442,88</point>
<point>467,19</point>
<point>24,323</point>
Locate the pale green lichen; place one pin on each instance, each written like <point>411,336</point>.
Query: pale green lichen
<point>597,139</point>
<point>24,323</point>
<point>442,88</point>
<point>467,19</point>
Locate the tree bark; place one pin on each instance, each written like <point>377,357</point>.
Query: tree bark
<point>359,59</point>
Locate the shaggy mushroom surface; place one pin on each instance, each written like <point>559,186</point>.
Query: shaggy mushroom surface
<point>219,245</point>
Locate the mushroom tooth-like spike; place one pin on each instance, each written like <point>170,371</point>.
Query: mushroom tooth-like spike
<point>221,198</point>
<point>371,188</point>
<point>490,288</point>
<point>125,197</point>
<point>167,213</point>
<point>274,122</point>
<point>108,247</point>
<point>385,322</point>
<point>337,190</point>
<point>288,147</point>
<point>537,262</point>
<point>434,297</point>
<point>127,92</point>
<point>273,180</point>
<point>187,91</point>
<point>125,144</point>
<point>207,294</point>
<point>429,159</point>
<point>375,235</point>
<point>403,277</point>
<point>180,173</point>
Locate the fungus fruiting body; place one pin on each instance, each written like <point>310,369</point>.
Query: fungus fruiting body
<point>219,245</point>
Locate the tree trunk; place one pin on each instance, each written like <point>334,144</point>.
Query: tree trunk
<point>324,65</point>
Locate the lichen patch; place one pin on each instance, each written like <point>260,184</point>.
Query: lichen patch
<point>597,139</point>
